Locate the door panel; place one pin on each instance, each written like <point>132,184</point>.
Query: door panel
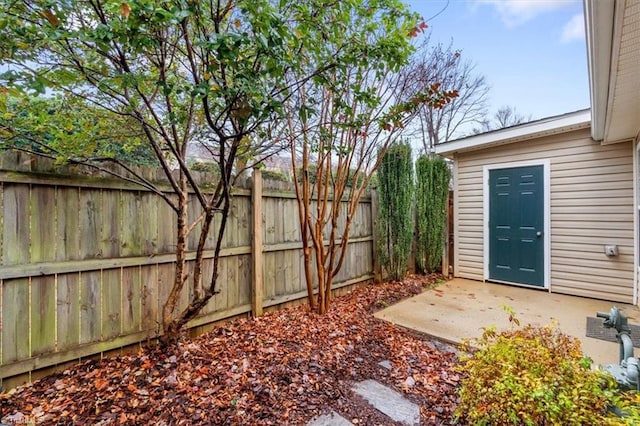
<point>516,225</point>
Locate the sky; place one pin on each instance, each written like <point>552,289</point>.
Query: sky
<point>532,52</point>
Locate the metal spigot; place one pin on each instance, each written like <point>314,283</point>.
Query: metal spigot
<point>627,373</point>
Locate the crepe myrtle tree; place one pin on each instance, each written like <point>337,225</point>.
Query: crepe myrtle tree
<point>340,124</point>
<point>187,72</point>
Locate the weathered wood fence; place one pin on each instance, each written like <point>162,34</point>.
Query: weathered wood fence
<point>86,261</point>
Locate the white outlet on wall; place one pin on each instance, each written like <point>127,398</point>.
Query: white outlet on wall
<point>611,250</point>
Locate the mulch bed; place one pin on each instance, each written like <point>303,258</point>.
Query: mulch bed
<point>286,367</point>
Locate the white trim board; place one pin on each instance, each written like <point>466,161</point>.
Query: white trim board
<point>636,212</point>
<point>456,219</point>
<point>546,171</point>
<point>534,129</point>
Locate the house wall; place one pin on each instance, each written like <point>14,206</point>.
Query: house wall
<point>591,205</point>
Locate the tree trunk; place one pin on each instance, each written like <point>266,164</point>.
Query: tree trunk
<point>169,327</point>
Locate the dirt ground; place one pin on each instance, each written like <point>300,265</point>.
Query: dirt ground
<point>286,367</point>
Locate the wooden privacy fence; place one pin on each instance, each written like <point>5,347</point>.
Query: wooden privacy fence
<point>86,261</point>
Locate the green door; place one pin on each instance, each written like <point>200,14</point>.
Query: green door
<point>516,225</point>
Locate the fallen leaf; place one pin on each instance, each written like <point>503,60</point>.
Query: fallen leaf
<point>125,10</point>
<point>51,17</point>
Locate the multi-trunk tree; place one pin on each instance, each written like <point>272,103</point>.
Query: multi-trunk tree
<point>338,124</point>
<point>216,74</point>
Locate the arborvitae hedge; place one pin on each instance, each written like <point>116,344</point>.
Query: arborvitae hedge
<point>432,187</point>
<point>395,216</point>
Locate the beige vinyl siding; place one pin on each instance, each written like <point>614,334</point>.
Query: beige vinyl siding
<point>591,205</point>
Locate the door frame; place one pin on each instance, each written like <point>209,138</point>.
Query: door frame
<point>546,196</point>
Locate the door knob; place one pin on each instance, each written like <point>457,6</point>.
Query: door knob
<point>539,234</point>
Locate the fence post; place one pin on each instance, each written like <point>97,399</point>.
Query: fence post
<point>377,274</point>
<point>256,244</point>
<point>447,258</point>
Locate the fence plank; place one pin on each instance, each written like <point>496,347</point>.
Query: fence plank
<point>231,230</point>
<point>90,223</point>
<point>15,220</point>
<point>187,289</point>
<point>150,295</point>
<point>90,307</point>
<point>295,280</point>
<point>207,270</point>
<point>43,216</point>
<point>111,303</point>
<point>268,221</point>
<point>43,315</point>
<point>280,272</point>
<point>149,208</point>
<point>110,229</point>
<point>131,300</point>
<point>222,285</point>
<point>67,224</point>
<point>244,220</point>
<point>167,237</point>
<point>244,283</point>
<point>15,320</point>
<point>193,213</point>
<point>279,216</point>
<point>2,214</point>
<point>166,273</point>
<point>232,280</point>
<point>131,223</point>
<point>68,310</point>
<point>1,290</point>
<point>291,221</point>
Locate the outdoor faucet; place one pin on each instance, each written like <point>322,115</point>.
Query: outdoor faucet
<point>615,319</point>
<point>627,374</point>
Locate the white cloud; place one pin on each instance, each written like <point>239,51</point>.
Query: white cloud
<point>574,29</point>
<point>517,12</point>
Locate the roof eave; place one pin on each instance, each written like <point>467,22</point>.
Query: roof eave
<point>599,24</point>
<point>549,126</point>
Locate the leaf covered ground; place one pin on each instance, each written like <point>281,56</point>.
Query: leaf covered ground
<point>286,367</point>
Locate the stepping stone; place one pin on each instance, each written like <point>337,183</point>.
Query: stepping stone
<point>389,402</point>
<point>386,364</point>
<point>331,419</point>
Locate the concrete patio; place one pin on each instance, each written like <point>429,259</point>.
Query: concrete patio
<point>459,309</point>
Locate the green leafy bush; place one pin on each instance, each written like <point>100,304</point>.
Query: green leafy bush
<point>627,404</point>
<point>312,170</point>
<point>532,376</point>
<point>274,174</point>
<point>204,166</point>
